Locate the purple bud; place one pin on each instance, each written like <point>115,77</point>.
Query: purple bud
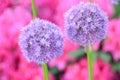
<point>86,23</point>
<point>41,41</point>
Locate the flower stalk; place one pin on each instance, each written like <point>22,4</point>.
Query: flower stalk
<point>90,61</point>
<point>44,66</point>
<point>45,69</point>
<point>34,9</point>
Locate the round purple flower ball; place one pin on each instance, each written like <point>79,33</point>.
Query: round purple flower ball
<point>86,23</point>
<point>41,41</point>
<point>115,2</point>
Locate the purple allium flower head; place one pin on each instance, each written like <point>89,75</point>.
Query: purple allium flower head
<point>86,23</point>
<point>115,2</point>
<point>41,41</point>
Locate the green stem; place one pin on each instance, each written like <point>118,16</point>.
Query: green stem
<point>34,9</point>
<point>44,66</point>
<point>45,69</point>
<point>90,61</point>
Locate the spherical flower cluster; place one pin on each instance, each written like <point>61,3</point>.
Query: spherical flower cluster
<point>86,23</point>
<point>41,41</point>
<point>115,2</point>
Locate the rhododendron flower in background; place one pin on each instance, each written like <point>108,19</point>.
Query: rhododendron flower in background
<point>79,71</point>
<point>14,66</point>
<point>11,21</point>
<point>4,4</point>
<point>112,43</point>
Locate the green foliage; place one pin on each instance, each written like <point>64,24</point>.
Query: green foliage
<point>105,56</point>
<point>54,70</point>
<point>97,54</point>
<point>77,54</point>
<point>116,66</point>
<point>117,11</point>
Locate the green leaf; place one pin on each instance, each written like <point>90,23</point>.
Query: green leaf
<point>95,56</point>
<point>76,54</point>
<point>117,11</point>
<point>105,56</point>
<point>54,70</point>
<point>116,66</point>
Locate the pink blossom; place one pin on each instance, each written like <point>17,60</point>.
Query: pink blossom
<point>3,41</point>
<point>79,71</point>
<point>24,3</point>
<point>47,9</point>
<point>6,65</point>
<point>4,4</point>
<point>11,21</point>
<point>14,66</point>
<point>112,43</point>
<point>96,46</point>
<point>102,70</point>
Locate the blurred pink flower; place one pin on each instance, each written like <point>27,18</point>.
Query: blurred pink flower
<point>3,41</point>
<point>13,66</point>
<point>112,43</point>
<point>96,46</point>
<point>102,70</point>
<point>23,3</point>
<point>11,21</point>
<point>79,71</point>
<point>46,9</point>
<point>6,65</point>
<point>4,4</point>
